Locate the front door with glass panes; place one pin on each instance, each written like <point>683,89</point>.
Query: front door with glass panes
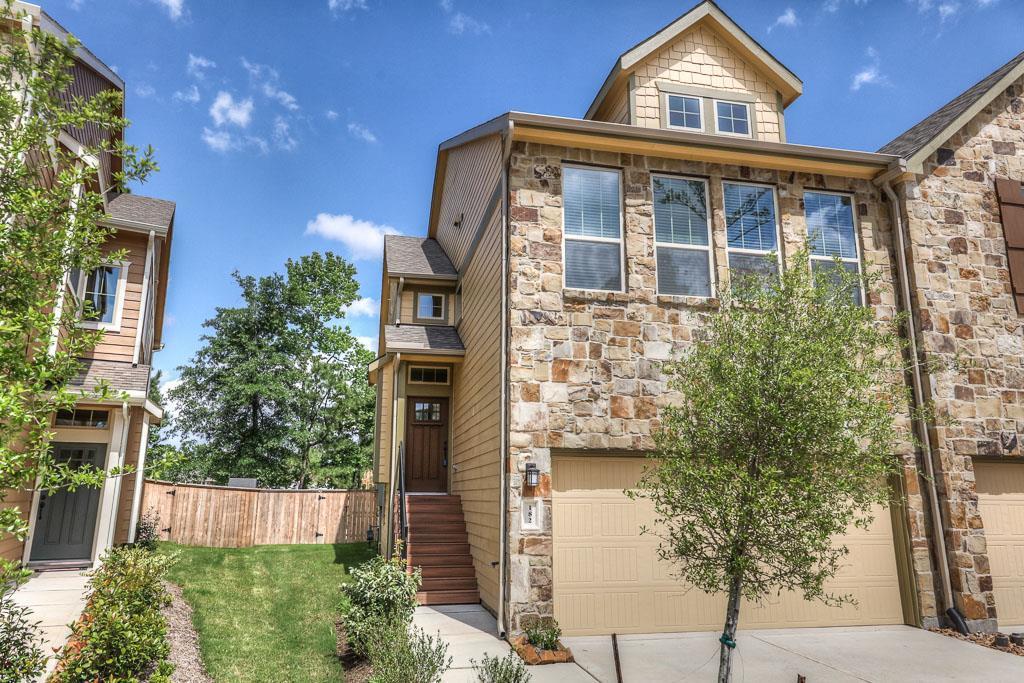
<point>426,451</point>
<point>66,520</point>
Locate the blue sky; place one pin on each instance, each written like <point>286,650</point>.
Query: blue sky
<point>287,127</point>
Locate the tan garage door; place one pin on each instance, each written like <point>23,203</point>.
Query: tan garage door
<point>1001,501</point>
<point>607,577</point>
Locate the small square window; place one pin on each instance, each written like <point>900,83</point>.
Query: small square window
<point>428,375</point>
<point>430,306</point>
<point>83,417</point>
<point>732,118</point>
<point>684,112</point>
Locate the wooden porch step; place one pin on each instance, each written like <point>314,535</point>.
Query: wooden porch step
<point>449,583</point>
<point>440,560</point>
<point>426,518</point>
<point>416,528</point>
<point>447,571</point>
<point>437,537</point>
<point>419,548</point>
<point>453,597</point>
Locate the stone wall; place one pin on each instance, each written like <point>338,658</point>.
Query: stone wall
<point>586,368</point>
<point>971,329</point>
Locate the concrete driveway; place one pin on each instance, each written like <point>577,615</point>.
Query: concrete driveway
<point>836,655</point>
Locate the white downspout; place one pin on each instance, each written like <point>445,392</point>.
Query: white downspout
<point>392,474</point>
<point>140,330</point>
<point>140,478</point>
<point>919,403</point>
<point>503,440</point>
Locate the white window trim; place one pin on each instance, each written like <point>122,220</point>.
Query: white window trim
<point>700,112</point>
<point>856,238</point>
<point>745,105</point>
<point>444,306</point>
<point>603,240</point>
<point>778,230</point>
<point>122,286</point>
<point>710,248</point>
<point>447,375</point>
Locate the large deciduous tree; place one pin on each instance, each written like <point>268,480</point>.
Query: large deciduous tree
<point>278,390</point>
<point>49,212</point>
<point>785,435</point>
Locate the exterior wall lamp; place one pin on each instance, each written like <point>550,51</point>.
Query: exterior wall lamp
<point>532,474</point>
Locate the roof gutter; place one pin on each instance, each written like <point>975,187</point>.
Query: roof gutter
<point>920,422</point>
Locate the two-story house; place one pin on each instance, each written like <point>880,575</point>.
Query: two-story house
<point>523,341</point>
<point>73,528</point>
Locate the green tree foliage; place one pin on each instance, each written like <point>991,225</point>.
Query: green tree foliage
<point>785,435</point>
<point>49,208</point>
<point>278,390</point>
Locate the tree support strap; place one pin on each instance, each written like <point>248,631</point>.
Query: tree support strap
<point>727,641</point>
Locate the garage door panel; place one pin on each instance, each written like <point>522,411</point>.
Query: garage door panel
<point>1001,503</point>
<point>608,578</point>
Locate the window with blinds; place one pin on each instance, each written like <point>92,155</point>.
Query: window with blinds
<point>832,236</point>
<point>593,228</point>
<point>682,236</point>
<point>752,231</point>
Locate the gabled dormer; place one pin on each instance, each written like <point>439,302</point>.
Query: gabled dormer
<point>701,74</point>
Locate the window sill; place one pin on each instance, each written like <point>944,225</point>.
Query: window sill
<point>690,301</point>
<point>596,295</point>
<point>106,327</point>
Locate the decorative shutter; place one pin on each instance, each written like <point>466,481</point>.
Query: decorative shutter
<point>1011,204</point>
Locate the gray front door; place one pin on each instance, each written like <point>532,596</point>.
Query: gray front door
<point>66,520</point>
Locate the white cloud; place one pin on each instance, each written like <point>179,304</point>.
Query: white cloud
<point>361,132</point>
<point>283,135</point>
<point>331,115</point>
<point>345,5</point>
<point>145,90</point>
<point>871,74</point>
<point>226,110</point>
<point>365,307</point>
<point>190,95</point>
<point>197,66</point>
<point>170,407</point>
<point>460,23</point>
<point>369,343</point>
<point>947,10</point>
<point>787,19</point>
<point>175,8</point>
<point>364,239</point>
<point>266,79</point>
<point>835,5</point>
<point>218,140</point>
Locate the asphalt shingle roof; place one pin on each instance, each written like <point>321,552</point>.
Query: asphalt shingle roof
<point>421,338</point>
<point>139,209</point>
<point>915,139</point>
<point>120,376</point>
<point>420,256</point>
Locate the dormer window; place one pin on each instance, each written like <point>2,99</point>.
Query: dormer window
<point>732,118</point>
<point>430,307</point>
<point>101,292</point>
<point>684,112</point>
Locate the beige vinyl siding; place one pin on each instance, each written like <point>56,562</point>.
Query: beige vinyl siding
<point>131,459</point>
<point>120,345</point>
<point>385,378</point>
<point>471,177</point>
<point>615,108</point>
<point>10,547</point>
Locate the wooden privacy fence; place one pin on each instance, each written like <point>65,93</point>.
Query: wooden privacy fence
<point>229,517</point>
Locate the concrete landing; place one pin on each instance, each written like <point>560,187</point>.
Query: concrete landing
<point>56,599</point>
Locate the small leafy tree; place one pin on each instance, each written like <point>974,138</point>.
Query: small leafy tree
<point>49,212</point>
<point>785,435</point>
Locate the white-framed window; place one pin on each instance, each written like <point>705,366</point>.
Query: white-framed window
<point>427,374</point>
<point>832,234</point>
<point>732,118</point>
<point>684,112</point>
<point>682,236</point>
<point>83,417</point>
<point>430,306</point>
<point>592,220</point>
<point>752,229</point>
<point>101,292</point>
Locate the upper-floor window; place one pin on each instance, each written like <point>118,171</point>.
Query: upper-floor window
<point>732,118</point>
<point>83,417</point>
<point>593,228</point>
<point>684,111</point>
<point>752,231</point>
<point>831,233</point>
<point>430,306</point>
<point>420,374</point>
<point>101,292</point>
<point>682,236</point>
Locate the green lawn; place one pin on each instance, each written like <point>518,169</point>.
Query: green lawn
<point>267,613</point>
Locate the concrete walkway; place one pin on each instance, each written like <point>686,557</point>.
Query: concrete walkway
<point>839,655</point>
<point>56,599</point>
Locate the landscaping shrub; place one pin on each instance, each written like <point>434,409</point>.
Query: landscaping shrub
<point>507,669</point>
<point>544,634</point>
<point>381,597</point>
<point>21,646</point>
<point>146,531</point>
<point>398,656</point>
<point>122,635</point>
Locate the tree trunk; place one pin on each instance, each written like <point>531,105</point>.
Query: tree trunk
<point>728,640</point>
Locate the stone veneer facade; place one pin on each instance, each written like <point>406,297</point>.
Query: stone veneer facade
<point>970,325</point>
<point>586,368</point>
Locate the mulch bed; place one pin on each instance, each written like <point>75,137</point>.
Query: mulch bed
<point>357,670</point>
<point>984,639</point>
<point>184,641</point>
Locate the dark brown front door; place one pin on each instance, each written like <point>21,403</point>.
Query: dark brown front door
<point>426,453</point>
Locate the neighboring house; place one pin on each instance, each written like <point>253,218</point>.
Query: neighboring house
<point>75,528</point>
<point>523,341</point>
